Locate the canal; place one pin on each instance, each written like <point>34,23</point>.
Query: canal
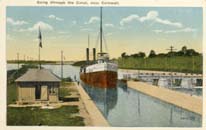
<point>126,107</point>
<point>123,106</point>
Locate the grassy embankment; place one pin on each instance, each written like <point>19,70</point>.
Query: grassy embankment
<point>176,63</point>
<point>63,116</point>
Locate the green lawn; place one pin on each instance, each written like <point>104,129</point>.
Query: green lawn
<point>35,116</point>
<point>64,92</point>
<point>11,93</point>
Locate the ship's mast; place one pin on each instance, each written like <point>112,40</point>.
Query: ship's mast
<point>101,30</point>
<point>88,40</point>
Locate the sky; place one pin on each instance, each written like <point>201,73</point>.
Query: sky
<point>126,29</point>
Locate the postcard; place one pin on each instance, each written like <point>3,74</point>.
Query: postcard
<point>102,64</point>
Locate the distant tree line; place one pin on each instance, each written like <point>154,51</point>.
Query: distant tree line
<point>31,61</point>
<point>183,52</point>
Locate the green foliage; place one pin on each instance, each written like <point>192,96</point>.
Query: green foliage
<point>123,55</point>
<point>186,64</point>
<point>136,55</point>
<point>11,93</point>
<point>68,79</point>
<point>63,92</point>
<point>183,52</point>
<point>152,54</point>
<point>184,60</point>
<point>35,116</point>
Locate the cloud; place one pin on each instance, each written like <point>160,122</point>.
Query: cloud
<point>62,32</point>
<point>92,20</point>
<point>86,30</point>
<point>109,25</point>
<point>186,30</point>
<point>152,16</point>
<point>57,37</point>
<point>157,31</point>
<point>35,27</point>
<point>17,22</point>
<point>74,22</point>
<point>55,17</point>
<point>42,25</point>
<point>129,19</point>
<point>167,22</point>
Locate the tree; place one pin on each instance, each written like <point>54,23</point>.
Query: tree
<point>161,55</point>
<point>138,55</point>
<point>184,50</point>
<point>142,54</point>
<point>152,54</point>
<point>123,55</point>
<point>191,52</point>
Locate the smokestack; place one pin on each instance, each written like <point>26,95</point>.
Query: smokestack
<point>87,54</point>
<point>94,54</point>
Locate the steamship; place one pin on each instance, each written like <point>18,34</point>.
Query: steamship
<point>100,72</point>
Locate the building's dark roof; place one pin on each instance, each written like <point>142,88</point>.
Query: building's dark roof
<point>38,75</point>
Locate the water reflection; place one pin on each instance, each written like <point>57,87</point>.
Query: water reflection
<point>123,106</point>
<point>105,99</point>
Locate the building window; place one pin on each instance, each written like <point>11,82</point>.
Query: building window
<point>52,90</point>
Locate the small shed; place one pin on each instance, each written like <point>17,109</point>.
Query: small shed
<point>38,85</point>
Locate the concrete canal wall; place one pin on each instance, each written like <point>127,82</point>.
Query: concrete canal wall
<point>191,103</point>
<point>131,71</point>
<point>95,115</point>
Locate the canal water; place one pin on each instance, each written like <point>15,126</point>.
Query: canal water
<point>69,70</point>
<point>123,106</point>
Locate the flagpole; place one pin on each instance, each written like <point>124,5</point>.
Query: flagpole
<point>39,59</point>
<point>40,45</point>
<point>62,65</point>
<point>18,60</point>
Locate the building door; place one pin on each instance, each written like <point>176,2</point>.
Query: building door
<point>38,92</point>
<point>44,93</point>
